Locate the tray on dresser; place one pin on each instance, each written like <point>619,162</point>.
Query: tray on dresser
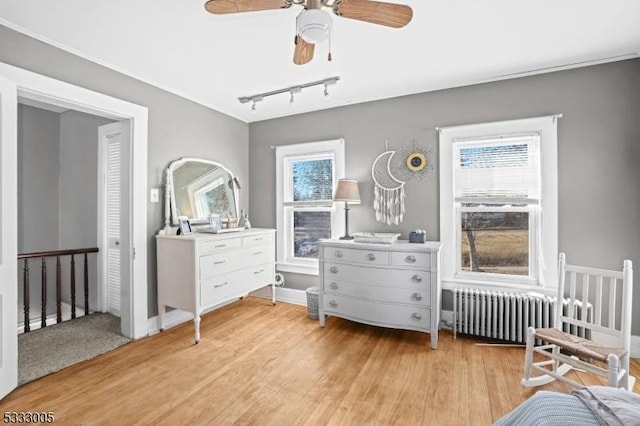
<point>375,237</point>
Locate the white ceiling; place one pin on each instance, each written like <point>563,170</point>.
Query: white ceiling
<point>214,59</point>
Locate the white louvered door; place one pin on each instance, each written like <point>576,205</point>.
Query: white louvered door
<point>113,223</point>
<point>114,140</point>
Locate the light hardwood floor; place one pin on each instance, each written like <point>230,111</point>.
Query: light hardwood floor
<point>263,364</point>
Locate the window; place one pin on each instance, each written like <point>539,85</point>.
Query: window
<point>498,203</point>
<point>306,177</point>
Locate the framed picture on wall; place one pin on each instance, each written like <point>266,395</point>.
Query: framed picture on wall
<point>185,226</point>
<point>215,221</point>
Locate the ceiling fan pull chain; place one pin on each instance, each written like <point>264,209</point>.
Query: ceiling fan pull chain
<point>329,55</point>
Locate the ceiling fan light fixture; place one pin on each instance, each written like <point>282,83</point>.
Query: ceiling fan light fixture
<point>314,25</point>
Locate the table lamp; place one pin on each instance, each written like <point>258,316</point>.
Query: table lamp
<point>348,192</point>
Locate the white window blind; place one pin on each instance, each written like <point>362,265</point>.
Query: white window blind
<point>498,170</point>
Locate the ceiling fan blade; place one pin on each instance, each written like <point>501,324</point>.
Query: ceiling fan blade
<point>222,7</point>
<point>375,12</point>
<point>303,52</point>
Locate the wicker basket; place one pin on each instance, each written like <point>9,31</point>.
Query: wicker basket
<point>375,237</point>
<point>313,294</point>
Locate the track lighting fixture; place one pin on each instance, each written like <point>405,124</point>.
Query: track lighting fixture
<point>291,90</point>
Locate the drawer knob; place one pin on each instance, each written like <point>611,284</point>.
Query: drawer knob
<point>416,316</point>
<point>417,278</point>
<point>220,262</point>
<point>416,296</point>
<point>334,286</point>
<point>338,253</point>
<point>333,304</point>
<point>411,259</point>
<point>371,256</point>
<point>334,269</point>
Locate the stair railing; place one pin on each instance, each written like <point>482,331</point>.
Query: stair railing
<point>57,254</point>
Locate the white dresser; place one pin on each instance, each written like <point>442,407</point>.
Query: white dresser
<point>200,271</point>
<point>396,286</point>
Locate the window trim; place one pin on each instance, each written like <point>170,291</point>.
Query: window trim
<point>547,217</point>
<point>284,262</point>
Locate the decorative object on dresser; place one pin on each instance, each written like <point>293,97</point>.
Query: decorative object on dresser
<point>348,192</point>
<point>375,237</point>
<point>396,285</point>
<point>197,188</point>
<point>185,226</point>
<point>198,272</point>
<point>418,236</point>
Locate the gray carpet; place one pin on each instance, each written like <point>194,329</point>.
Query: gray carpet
<point>47,350</point>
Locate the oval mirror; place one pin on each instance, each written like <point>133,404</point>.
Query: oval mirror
<point>198,188</point>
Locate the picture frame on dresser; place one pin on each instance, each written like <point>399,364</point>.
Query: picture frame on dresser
<point>184,226</point>
<point>215,221</point>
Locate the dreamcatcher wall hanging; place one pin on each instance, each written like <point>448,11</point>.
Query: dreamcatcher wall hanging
<point>390,172</point>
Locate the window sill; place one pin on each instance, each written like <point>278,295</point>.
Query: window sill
<point>297,269</point>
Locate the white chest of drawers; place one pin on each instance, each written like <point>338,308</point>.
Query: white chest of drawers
<point>396,286</point>
<point>200,271</point>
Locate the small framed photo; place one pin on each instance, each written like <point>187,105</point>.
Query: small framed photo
<point>215,221</point>
<point>185,226</point>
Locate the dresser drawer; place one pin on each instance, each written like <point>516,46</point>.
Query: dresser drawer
<point>207,247</point>
<point>413,296</point>
<point>401,316</point>
<point>372,257</point>
<point>220,263</point>
<point>258,255</point>
<point>417,260</point>
<point>258,240</point>
<point>217,289</point>
<point>258,275</point>
<point>399,278</point>
<point>339,253</point>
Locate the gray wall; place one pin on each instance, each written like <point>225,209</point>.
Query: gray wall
<point>598,152</point>
<point>38,185</point>
<point>177,127</point>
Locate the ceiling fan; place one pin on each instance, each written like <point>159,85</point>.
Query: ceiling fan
<point>313,24</point>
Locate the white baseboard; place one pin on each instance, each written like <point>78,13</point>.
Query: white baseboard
<point>283,294</point>
<point>171,319</point>
<point>51,319</point>
<point>446,322</point>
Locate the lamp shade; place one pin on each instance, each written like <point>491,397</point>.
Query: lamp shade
<point>314,25</point>
<point>347,191</point>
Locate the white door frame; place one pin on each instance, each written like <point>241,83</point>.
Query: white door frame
<point>55,92</point>
<point>9,241</point>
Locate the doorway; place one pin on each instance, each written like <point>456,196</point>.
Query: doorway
<point>43,89</point>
